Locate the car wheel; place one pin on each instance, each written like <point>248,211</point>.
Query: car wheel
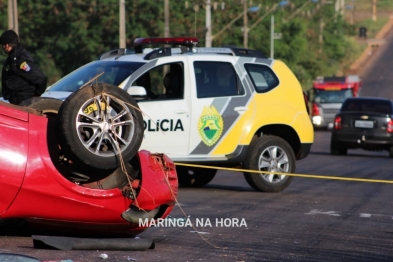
<point>269,153</point>
<point>49,106</point>
<point>100,126</point>
<point>194,176</point>
<point>336,148</point>
<point>391,152</point>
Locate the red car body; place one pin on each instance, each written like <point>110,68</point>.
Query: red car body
<point>33,189</point>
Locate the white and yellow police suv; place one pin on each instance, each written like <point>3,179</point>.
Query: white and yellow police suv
<point>222,106</point>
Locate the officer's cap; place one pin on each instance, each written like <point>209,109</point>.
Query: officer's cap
<point>8,37</point>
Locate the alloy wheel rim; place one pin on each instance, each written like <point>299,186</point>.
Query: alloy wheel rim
<point>273,159</point>
<point>105,125</point>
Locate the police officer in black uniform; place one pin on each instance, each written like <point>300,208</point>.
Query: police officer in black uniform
<point>21,78</point>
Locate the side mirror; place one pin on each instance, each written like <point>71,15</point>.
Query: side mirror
<point>137,92</point>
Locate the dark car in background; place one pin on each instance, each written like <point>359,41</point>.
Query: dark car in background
<point>363,122</point>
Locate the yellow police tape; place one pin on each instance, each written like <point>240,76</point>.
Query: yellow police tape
<point>291,174</point>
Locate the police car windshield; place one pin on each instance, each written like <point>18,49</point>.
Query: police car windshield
<point>114,72</point>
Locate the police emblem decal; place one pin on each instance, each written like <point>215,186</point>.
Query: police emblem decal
<point>24,66</point>
<point>210,125</point>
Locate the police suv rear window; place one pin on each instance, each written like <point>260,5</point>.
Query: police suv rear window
<point>263,77</point>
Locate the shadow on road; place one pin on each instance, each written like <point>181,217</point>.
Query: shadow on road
<point>348,155</point>
<point>221,187</point>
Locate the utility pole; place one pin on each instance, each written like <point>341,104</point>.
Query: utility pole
<point>337,7</point>
<point>272,37</point>
<point>166,14</point>
<point>245,24</point>
<point>374,10</point>
<point>122,24</point>
<point>320,39</point>
<point>342,11</point>
<point>352,19</point>
<point>208,39</point>
<point>13,16</point>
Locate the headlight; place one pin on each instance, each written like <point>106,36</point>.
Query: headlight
<point>317,120</point>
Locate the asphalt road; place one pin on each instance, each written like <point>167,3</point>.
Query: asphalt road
<point>311,220</point>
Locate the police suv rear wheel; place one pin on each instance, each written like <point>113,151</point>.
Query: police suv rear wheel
<point>269,153</point>
<point>194,176</point>
<point>100,126</point>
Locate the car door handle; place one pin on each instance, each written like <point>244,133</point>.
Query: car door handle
<point>180,112</point>
<point>241,109</point>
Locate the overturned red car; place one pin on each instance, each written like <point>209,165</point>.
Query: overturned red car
<point>79,170</point>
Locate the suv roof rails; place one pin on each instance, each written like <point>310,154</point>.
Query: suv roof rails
<point>235,51</point>
<point>248,52</point>
<point>188,45</point>
<point>116,52</point>
<point>167,51</point>
<point>243,52</point>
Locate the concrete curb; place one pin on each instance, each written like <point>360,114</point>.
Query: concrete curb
<point>379,39</point>
<point>385,29</point>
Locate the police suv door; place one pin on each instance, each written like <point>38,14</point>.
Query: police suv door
<point>220,101</point>
<point>166,114</point>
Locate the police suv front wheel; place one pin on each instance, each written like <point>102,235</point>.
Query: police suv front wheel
<point>273,154</point>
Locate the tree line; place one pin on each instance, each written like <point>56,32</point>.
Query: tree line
<point>64,35</point>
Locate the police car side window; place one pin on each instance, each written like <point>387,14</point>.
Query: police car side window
<point>163,82</point>
<point>215,79</point>
<point>262,76</point>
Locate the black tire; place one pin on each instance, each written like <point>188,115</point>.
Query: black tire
<point>391,152</point>
<point>336,148</point>
<point>49,106</point>
<point>194,176</point>
<point>91,135</point>
<point>271,149</point>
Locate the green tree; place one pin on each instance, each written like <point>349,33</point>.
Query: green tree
<point>64,35</point>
